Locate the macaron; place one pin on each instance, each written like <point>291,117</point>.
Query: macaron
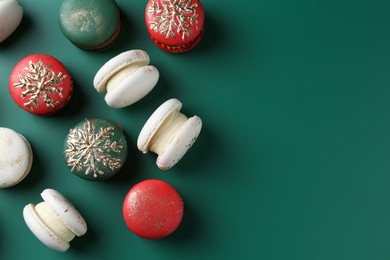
<point>40,84</point>
<point>169,133</point>
<point>126,78</point>
<point>55,221</point>
<point>90,24</point>
<point>175,26</point>
<point>153,209</point>
<point>95,149</point>
<point>11,14</point>
<point>16,157</point>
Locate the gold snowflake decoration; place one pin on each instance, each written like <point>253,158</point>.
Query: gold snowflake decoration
<point>173,15</point>
<point>40,82</point>
<point>88,149</point>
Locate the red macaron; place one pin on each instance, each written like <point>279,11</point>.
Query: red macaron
<point>153,209</point>
<point>175,25</point>
<point>40,84</point>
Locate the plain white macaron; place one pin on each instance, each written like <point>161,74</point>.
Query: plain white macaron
<point>55,222</point>
<point>126,78</point>
<point>16,157</point>
<point>11,14</point>
<point>169,133</point>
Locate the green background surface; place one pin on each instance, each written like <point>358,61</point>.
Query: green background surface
<point>293,158</point>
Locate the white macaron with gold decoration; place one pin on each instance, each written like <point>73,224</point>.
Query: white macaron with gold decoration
<point>55,221</point>
<point>16,157</point>
<point>169,133</point>
<point>11,14</point>
<point>126,78</point>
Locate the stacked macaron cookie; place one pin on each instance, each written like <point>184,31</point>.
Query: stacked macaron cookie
<point>126,78</point>
<point>55,221</point>
<point>169,133</point>
<point>96,149</point>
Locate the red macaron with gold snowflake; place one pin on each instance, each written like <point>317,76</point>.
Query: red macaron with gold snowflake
<point>40,84</point>
<point>175,25</point>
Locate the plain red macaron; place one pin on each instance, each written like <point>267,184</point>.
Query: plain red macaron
<point>40,84</point>
<point>153,209</point>
<point>175,25</point>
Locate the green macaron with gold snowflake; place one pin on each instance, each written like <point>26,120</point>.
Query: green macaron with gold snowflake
<point>95,149</point>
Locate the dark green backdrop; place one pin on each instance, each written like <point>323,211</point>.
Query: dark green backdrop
<point>293,161</point>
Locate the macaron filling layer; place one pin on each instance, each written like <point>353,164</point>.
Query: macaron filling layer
<point>167,131</point>
<point>132,87</point>
<point>116,64</point>
<point>53,222</point>
<point>117,78</point>
<point>155,121</point>
<point>181,142</point>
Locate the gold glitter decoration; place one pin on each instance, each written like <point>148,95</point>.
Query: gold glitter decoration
<point>89,149</point>
<point>173,15</point>
<point>40,82</point>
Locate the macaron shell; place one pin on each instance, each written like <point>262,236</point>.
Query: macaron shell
<point>133,87</point>
<point>11,14</point>
<point>16,157</point>
<point>90,24</point>
<point>116,64</point>
<point>153,209</point>
<point>65,211</point>
<point>40,84</point>
<point>155,121</point>
<point>41,231</point>
<point>180,144</point>
<point>185,26</point>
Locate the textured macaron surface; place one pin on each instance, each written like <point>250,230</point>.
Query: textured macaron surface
<point>89,23</point>
<point>95,149</point>
<point>153,209</point>
<point>15,157</point>
<point>40,84</point>
<point>11,14</point>
<point>174,23</point>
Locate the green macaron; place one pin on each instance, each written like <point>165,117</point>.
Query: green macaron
<point>90,24</point>
<point>95,149</point>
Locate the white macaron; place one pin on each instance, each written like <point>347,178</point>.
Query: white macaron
<point>55,222</point>
<point>16,157</point>
<point>11,14</point>
<point>126,78</point>
<point>169,133</point>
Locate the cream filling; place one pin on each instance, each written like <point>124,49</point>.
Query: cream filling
<point>53,222</point>
<point>119,76</point>
<point>167,131</point>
